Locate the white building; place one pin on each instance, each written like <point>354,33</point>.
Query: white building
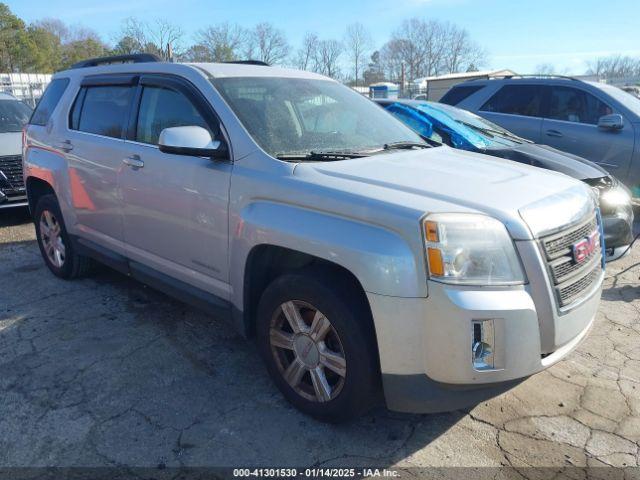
<point>27,87</point>
<point>435,87</point>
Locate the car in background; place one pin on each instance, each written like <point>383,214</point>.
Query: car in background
<point>14,115</point>
<point>594,120</point>
<point>464,130</point>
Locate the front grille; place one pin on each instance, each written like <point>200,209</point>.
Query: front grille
<point>11,170</point>
<point>572,279</point>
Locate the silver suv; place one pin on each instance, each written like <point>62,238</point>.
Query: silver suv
<point>357,254</point>
<point>593,120</point>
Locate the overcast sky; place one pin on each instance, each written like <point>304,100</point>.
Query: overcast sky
<point>517,34</point>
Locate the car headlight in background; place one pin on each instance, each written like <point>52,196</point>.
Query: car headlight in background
<point>470,249</point>
<point>616,197</point>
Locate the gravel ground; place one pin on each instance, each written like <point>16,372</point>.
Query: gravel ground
<point>106,372</point>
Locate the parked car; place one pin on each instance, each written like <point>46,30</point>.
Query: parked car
<point>593,120</point>
<point>13,117</point>
<point>357,254</point>
<point>458,128</point>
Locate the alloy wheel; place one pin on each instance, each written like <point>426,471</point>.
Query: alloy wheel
<point>51,235</point>
<point>308,351</point>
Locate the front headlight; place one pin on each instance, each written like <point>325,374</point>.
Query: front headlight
<point>470,249</point>
<point>616,197</point>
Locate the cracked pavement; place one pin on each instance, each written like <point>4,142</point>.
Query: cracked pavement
<point>104,371</point>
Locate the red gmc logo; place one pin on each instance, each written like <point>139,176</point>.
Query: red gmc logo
<point>585,247</point>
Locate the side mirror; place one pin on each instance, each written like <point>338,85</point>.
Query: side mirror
<point>611,122</point>
<point>193,141</point>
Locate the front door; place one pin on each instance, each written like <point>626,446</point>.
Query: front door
<point>175,206</point>
<point>572,126</point>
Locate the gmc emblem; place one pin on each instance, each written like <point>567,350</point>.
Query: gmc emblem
<point>585,247</point>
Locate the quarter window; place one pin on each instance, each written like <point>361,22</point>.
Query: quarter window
<point>516,100</point>
<point>102,110</point>
<point>573,105</point>
<point>162,108</point>
<point>48,102</point>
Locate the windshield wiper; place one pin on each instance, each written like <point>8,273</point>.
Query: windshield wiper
<point>491,132</point>
<point>323,155</point>
<point>405,145</point>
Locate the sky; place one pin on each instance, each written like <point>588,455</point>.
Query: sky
<point>517,34</point>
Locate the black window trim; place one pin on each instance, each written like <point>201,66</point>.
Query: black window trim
<point>193,94</point>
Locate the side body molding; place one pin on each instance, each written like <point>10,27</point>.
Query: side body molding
<point>380,259</point>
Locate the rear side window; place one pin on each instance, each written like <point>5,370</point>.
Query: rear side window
<point>102,110</point>
<point>516,100</point>
<point>48,102</point>
<point>574,105</point>
<point>162,108</point>
<point>458,94</point>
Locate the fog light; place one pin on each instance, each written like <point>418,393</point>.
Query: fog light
<point>483,345</point>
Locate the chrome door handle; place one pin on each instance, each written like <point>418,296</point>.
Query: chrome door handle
<point>66,146</point>
<point>554,133</point>
<point>133,161</point>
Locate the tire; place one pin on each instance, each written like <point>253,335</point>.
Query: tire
<point>344,352</point>
<point>55,244</point>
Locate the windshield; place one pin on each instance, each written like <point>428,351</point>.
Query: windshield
<point>288,116</point>
<point>630,101</point>
<point>13,115</point>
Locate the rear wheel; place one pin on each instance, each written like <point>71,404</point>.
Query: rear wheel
<point>54,241</point>
<point>319,346</point>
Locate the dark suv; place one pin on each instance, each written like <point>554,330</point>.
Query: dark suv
<point>593,120</point>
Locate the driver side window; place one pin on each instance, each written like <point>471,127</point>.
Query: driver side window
<point>162,108</point>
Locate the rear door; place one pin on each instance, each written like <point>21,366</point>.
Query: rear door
<point>572,126</point>
<point>175,206</point>
<point>94,147</point>
<point>517,108</point>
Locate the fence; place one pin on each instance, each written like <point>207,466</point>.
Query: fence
<point>27,87</point>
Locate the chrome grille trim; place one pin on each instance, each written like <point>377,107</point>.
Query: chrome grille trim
<point>11,168</point>
<point>571,281</point>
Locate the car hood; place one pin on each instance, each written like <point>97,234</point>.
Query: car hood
<point>447,180</point>
<point>549,158</point>
<point>10,143</point>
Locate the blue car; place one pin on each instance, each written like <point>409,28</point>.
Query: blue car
<point>464,130</point>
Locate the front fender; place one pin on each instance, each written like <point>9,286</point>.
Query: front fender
<point>380,259</point>
<point>50,166</point>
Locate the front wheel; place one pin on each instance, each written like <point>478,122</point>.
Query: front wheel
<point>318,344</point>
<point>54,241</point>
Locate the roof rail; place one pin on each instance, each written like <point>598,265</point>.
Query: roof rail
<point>249,62</point>
<point>133,58</point>
<point>534,75</point>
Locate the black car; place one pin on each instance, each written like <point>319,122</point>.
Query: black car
<point>464,130</point>
<point>13,117</point>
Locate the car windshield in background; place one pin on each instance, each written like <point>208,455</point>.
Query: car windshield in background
<point>13,115</point>
<point>288,117</point>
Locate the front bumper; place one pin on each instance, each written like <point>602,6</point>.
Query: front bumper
<point>425,344</point>
<point>12,201</point>
<point>618,231</point>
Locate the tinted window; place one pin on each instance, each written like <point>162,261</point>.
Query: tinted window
<point>517,100</point>
<point>573,105</point>
<point>49,100</point>
<point>162,108</point>
<point>104,110</point>
<point>13,115</point>
<point>458,94</point>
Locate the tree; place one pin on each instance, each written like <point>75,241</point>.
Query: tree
<point>614,66</point>
<point>17,50</point>
<point>267,44</point>
<point>545,69</point>
<point>326,57</point>
<point>374,73</point>
<point>460,52</point>
<point>358,45</point>
<point>160,37</point>
<point>306,55</point>
<point>223,42</point>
